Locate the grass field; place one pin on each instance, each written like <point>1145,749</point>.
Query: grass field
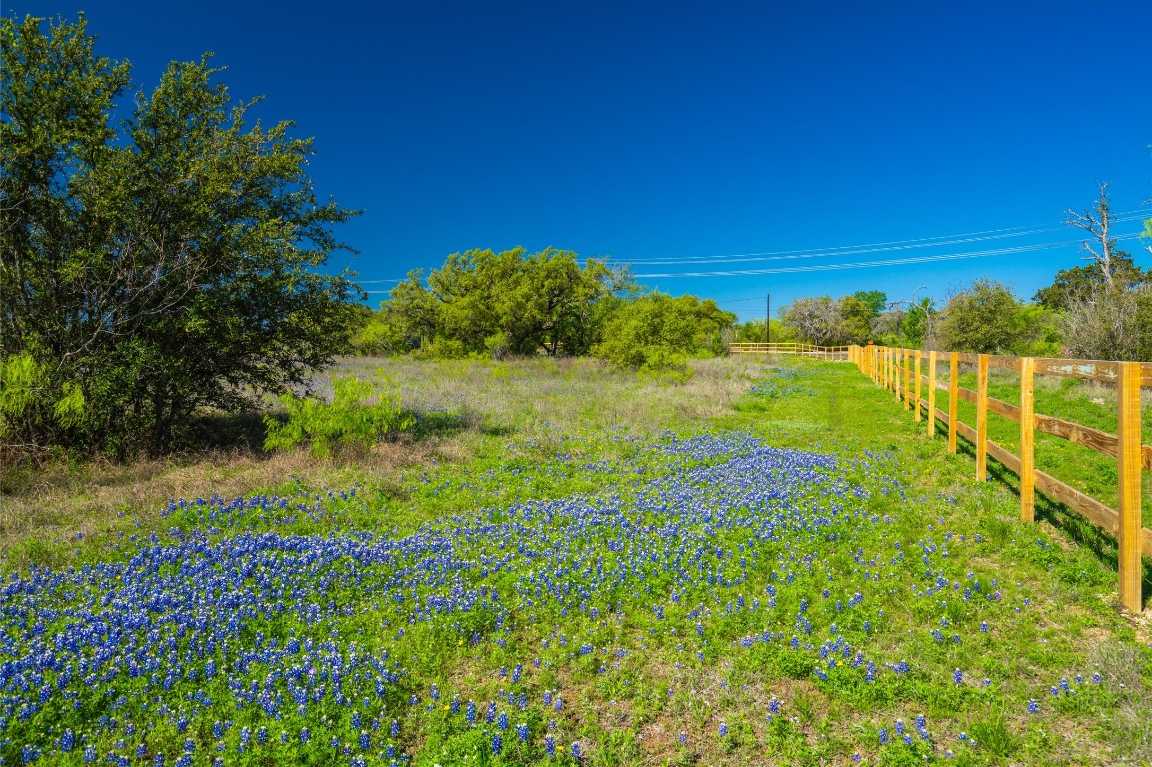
<point>769,564</point>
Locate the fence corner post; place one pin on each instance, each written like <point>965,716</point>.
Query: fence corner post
<point>1027,439</point>
<point>1129,460</point>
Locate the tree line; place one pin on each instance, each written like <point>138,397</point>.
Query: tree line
<point>1100,310</point>
<point>486,303</point>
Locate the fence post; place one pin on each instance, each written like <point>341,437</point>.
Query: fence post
<point>1027,439</point>
<point>895,385</point>
<point>982,418</point>
<point>907,378</point>
<point>916,387</point>
<point>1129,466</point>
<point>931,394</point>
<point>953,395</point>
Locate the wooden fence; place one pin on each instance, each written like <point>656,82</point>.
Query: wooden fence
<point>911,375</point>
<point>791,347</point>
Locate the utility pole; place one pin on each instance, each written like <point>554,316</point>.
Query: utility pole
<point>768,320</point>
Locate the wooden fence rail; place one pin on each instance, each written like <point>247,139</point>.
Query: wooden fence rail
<point>832,353</point>
<point>899,371</point>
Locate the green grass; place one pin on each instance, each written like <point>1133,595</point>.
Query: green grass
<point>1085,469</point>
<point>544,430</point>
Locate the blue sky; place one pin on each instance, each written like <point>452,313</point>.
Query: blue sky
<point>684,132</point>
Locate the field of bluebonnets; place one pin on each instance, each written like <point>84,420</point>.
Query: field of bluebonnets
<point>767,564</point>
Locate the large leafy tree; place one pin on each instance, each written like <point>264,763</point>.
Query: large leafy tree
<point>1085,282</point>
<point>512,301</point>
<point>988,318</point>
<point>154,268</point>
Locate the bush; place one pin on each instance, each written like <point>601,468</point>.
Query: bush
<point>358,416</point>
<point>987,318</point>
<point>658,332</point>
<point>441,348</point>
<point>660,363</point>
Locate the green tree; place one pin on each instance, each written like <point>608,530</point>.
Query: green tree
<point>154,271</point>
<point>1083,282</point>
<point>856,317</point>
<point>657,330</point>
<point>987,318</point>
<point>916,324</point>
<point>753,330</point>
<point>483,301</point>
<point>876,300</point>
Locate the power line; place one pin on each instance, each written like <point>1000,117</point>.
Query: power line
<point>839,250</point>
<point>877,263</point>
<point>848,250</point>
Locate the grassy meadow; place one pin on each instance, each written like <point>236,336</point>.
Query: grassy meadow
<point>767,564</point>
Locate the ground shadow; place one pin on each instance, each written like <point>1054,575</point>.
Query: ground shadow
<point>1077,528</point>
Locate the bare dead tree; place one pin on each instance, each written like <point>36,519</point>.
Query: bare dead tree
<point>1097,222</point>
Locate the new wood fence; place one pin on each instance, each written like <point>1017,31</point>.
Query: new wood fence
<point>791,347</point>
<point>911,375</point>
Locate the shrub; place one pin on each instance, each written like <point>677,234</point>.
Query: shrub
<point>658,332</point>
<point>441,348</point>
<point>987,318</point>
<point>660,363</point>
<point>358,416</point>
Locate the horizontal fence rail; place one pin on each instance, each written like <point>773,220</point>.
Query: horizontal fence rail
<point>900,371</point>
<point>834,353</point>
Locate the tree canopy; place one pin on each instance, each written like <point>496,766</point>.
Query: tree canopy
<point>155,268</point>
<point>511,301</point>
<point>1081,282</point>
<point>645,331</point>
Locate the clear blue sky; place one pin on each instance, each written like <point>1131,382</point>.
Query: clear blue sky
<point>678,132</point>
